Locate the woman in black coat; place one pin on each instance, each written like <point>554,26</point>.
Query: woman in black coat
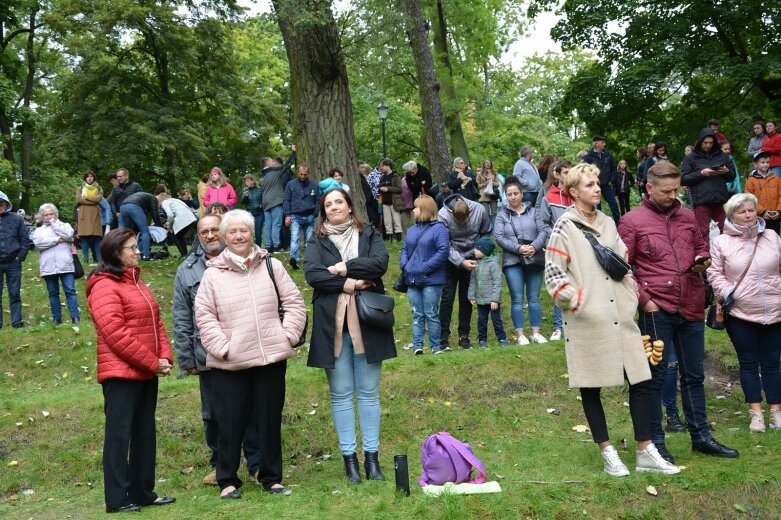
<point>341,258</point>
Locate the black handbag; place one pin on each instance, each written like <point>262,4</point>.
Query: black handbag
<point>536,262</point>
<point>280,308</point>
<point>375,309</point>
<point>400,284</point>
<point>615,266</point>
<point>715,319</point>
<point>78,269</point>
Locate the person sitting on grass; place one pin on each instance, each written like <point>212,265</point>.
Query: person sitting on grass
<point>485,291</point>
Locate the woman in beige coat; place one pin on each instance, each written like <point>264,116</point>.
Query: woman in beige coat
<point>602,342</point>
<point>88,227</point>
<point>247,345</point>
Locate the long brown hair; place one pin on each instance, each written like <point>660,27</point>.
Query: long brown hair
<point>320,228</point>
<point>110,247</point>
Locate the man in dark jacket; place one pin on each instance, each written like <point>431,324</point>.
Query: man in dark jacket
<point>302,197</point>
<point>667,253</point>
<point>122,190</point>
<point>14,244</point>
<point>418,178</point>
<point>275,177</point>
<point>706,171</point>
<point>132,214</point>
<point>190,352</point>
<point>466,221</point>
<point>603,159</point>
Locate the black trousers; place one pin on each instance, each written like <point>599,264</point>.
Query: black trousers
<point>623,202</point>
<point>238,394</point>
<point>639,408</point>
<point>180,239</point>
<point>457,281</point>
<point>129,407</point>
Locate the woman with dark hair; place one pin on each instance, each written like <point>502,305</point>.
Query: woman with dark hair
<point>89,228</point>
<point>642,179</point>
<point>133,351</point>
<point>342,258</point>
<point>337,175</point>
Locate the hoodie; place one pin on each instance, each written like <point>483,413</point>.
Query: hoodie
<point>710,189</point>
<point>14,237</point>
<point>463,237</point>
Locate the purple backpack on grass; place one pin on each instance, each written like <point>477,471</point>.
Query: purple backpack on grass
<point>446,459</point>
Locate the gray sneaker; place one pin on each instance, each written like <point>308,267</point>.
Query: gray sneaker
<point>650,461</point>
<point>613,465</point>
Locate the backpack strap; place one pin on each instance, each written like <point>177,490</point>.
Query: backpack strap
<point>454,449</point>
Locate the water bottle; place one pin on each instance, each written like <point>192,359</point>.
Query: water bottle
<point>402,474</point>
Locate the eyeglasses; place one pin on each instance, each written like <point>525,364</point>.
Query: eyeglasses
<point>205,232</point>
<point>133,248</point>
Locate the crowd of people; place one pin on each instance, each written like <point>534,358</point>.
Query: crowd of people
<point>633,277</point>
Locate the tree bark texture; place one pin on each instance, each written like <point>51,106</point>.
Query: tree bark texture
<point>322,113</point>
<point>452,113</point>
<point>27,121</point>
<point>428,87</point>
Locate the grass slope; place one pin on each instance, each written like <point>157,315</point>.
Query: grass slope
<point>495,399</point>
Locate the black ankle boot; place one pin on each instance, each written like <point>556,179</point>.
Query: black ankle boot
<point>397,237</point>
<point>351,468</point>
<point>372,463</point>
<point>386,236</point>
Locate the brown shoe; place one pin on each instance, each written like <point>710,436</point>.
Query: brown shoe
<point>210,479</point>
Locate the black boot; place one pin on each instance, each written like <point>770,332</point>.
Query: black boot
<point>386,236</point>
<point>397,237</point>
<point>372,463</point>
<point>351,468</point>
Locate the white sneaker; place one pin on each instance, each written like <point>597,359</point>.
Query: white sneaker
<point>775,419</point>
<point>539,338</point>
<point>650,461</point>
<point>613,465</point>
<point>556,336</point>
<point>757,424</point>
<point>523,340</point>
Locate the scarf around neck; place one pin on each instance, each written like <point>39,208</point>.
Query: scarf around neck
<point>344,237</point>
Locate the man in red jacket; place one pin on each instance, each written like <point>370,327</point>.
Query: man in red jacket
<point>667,252</point>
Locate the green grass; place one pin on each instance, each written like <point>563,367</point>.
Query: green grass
<point>496,399</point>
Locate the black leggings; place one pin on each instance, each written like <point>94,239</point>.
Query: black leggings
<point>639,407</point>
<point>623,202</point>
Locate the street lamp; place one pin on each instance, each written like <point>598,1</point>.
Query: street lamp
<point>382,110</point>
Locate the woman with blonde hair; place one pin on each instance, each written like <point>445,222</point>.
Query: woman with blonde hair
<point>490,188</point>
<point>219,190</point>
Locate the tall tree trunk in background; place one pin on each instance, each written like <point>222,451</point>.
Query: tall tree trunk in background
<point>27,126</point>
<point>428,87</point>
<point>322,112</point>
<point>452,104</point>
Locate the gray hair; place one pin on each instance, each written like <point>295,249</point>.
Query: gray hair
<point>581,155</point>
<point>409,166</point>
<point>243,216</point>
<point>736,202</point>
<point>48,205</point>
<point>526,150</point>
<point>457,160</point>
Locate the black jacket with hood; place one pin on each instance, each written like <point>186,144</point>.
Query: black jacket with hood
<point>711,189</point>
<point>14,237</point>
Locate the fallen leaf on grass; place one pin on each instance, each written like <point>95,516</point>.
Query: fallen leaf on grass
<point>554,411</point>
<point>313,412</point>
<point>746,509</point>
<point>44,413</point>
<point>187,471</point>
<point>431,400</point>
<point>580,428</point>
<point>652,491</point>
<point>447,403</point>
<point>13,463</point>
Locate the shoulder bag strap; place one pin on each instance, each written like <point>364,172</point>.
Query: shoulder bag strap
<point>414,248</point>
<point>748,266</point>
<point>280,309</point>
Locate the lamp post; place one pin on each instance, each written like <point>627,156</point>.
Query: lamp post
<point>382,110</point>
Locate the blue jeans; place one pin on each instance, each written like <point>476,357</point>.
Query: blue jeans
<point>758,348</point>
<point>424,302</point>
<point>530,197</point>
<point>688,339</point>
<point>670,386</point>
<point>299,223</point>
<point>353,375</point>
<point>259,219</point>
<point>482,323</point>
<point>93,243</point>
<point>557,321</point>
<point>13,275</point>
<point>518,280</point>
<point>273,223</point>
<point>69,288</point>
<point>133,217</point>
<point>610,197</point>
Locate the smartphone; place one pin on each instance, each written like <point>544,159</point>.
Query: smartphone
<point>701,260</point>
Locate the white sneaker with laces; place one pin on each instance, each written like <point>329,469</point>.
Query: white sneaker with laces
<point>538,338</point>
<point>650,461</point>
<point>775,419</point>
<point>556,336</point>
<point>523,340</point>
<point>757,424</point>
<point>613,465</point>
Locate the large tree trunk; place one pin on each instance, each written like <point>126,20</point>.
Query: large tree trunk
<point>452,103</point>
<point>322,111</point>
<point>27,119</point>
<point>428,87</point>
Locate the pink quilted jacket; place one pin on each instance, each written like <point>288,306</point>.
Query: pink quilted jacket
<point>236,313</point>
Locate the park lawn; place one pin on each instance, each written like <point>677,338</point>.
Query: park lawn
<point>495,399</point>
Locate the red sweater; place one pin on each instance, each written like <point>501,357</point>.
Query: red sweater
<point>772,144</point>
<point>131,335</point>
